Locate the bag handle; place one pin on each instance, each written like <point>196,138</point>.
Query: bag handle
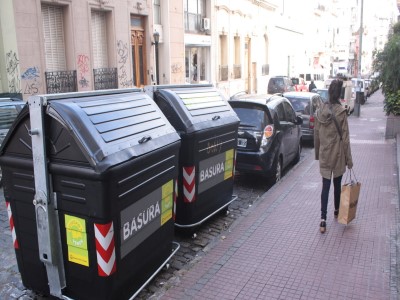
<point>351,173</point>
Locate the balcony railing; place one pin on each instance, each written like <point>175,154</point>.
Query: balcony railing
<point>192,22</point>
<point>223,73</point>
<point>61,82</point>
<point>237,71</point>
<point>265,69</point>
<point>105,78</point>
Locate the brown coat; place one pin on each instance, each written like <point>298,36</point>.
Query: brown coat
<point>332,153</point>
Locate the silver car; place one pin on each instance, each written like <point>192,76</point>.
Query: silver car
<point>305,105</point>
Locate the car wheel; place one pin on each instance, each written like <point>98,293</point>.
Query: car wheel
<point>277,171</point>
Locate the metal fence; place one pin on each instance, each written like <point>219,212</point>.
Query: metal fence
<point>223,73</point>
<point>265,69</point>
<point>105,78</point>
<point>237,71</point>
<point>61,82</point>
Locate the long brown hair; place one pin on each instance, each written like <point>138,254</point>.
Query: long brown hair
<point>334,91</point>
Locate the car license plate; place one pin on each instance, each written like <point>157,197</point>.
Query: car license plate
<point>242,142</point>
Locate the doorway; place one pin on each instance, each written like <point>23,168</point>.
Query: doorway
<point>196,68</point>
<point>138,47</point>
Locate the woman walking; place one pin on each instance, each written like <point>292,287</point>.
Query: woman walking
<point>332,147</point>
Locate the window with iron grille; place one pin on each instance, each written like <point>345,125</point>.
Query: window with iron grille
<point>237,71</point>
<point>223,58</point>
<point>54,43</point>
<point>265,69</point>
<point>195,11</point>
<point>223,73</point>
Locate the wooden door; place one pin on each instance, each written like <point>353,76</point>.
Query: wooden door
<point>138,58</point>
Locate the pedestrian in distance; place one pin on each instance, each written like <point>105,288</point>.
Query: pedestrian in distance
<point>312,86</point>
<point>332,147</point>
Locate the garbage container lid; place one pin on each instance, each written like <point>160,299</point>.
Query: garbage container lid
<point>109,128</point>
<point>198,107</point>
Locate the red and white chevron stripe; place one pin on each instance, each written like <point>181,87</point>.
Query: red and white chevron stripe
<point>175,196</point>
<point>189,184</point>
<point>12,227</point>
<point>105,249</point>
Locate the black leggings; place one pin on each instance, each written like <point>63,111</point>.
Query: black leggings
<point>326,184</point>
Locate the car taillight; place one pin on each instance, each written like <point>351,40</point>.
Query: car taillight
<point>312,120</point>
<point>268,132</point>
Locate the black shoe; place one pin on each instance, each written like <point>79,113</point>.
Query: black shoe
<point>322,226</point>
<point>336,213</point>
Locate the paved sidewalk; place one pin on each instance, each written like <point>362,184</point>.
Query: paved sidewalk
<point>277,251</point>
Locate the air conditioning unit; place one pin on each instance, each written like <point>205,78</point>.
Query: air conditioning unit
<point>206,24</point>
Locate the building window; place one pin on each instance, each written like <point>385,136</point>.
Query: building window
<point>237,65</point>
<point>223,67</point>
<point>157,11</point>
<point>265,66</point>
<point>99,37</point>
<point>195,11</point>
<point>196,64</point>
<point>54,43</point>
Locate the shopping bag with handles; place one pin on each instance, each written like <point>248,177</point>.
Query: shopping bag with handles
<point>349,199</point>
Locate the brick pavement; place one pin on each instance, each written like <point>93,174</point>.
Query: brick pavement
<point>277,251</point>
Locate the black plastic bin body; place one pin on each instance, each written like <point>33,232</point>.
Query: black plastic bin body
<point>112,164</point>
<point>208,129</point>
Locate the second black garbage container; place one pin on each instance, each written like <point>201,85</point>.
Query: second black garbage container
<point>208,129</point>
<point>111,160</point>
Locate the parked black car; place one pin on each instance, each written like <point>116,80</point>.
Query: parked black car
<point>280,84</point>
<point>305,104</point>
<point>9,109</point>
<point>269,136</point>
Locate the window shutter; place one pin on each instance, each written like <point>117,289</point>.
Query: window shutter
<point>54,44</point>
<point>99,34</point>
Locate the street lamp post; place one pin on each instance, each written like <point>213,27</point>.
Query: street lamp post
<point>359,93</point>
<point>156,37</point>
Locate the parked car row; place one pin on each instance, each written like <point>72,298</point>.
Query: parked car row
<point>271,131</point>
<point>9,109</point>
<point>269,136</point>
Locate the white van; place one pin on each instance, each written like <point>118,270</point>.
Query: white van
<point>347,97</point>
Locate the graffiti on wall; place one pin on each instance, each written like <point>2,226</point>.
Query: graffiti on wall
<point>123,54</point>
<point>31,80</point>
<point>176,68</point>
<point>83,70</point>
<point>12,69</point>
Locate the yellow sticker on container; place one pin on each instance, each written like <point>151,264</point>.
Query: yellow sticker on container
<point>167,189</point>
<point>166,203</point>
<point>166,216</point>
<point>228,164</point>
<point>78,256</point>
<point>76,240</point>
<point>75,223</point>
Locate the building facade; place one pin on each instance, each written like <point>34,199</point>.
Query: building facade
<point>65,45</point>
<point>53,46</point>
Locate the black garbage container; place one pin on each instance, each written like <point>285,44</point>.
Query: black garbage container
<point>111,160</point>
<point>208,128</point>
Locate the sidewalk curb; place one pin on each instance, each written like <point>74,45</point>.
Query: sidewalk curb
<point>395,245</point>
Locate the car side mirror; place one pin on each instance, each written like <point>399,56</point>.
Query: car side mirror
<point>299,120</point>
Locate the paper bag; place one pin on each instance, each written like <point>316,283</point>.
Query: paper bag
<point>348,202</point>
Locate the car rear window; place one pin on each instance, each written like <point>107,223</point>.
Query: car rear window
<point>253,117</point>
<point>7,115</point>
<point>301,105</point>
